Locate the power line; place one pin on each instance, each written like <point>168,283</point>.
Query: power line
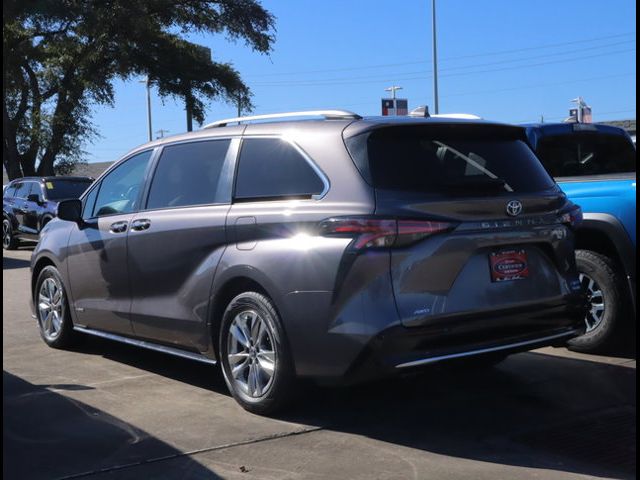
<point>361,101</point>
<point>422,77</point>
<point>540,85</point>
<point>449,59</point>
<point>428,72</point>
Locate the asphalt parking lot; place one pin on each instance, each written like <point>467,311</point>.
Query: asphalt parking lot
<point>106,410</point>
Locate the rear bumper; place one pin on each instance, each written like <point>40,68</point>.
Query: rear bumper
<point>516,345</point>
<point>399,349</point>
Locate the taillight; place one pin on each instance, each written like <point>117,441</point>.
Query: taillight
<point>369,232</point>
<point>573,217</point>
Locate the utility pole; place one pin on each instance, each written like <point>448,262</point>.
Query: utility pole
<point>161,133</point>
<point>147,82</point>
<point>436,103</point>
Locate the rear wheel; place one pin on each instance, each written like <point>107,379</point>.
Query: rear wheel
<point>9,241</point>
<point>52,309</point>
<point>255,359</point>
<point>603,285</point>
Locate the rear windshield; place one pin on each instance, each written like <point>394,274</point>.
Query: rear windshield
<point>587,153</point>
<point>62,189</point>
<point>449,160</point>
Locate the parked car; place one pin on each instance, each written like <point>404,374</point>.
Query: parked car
<point>333,248</point>
<point>29,203</point>
<point>596,166</point>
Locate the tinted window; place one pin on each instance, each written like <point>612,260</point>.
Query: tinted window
<point>119,190</point>
<point>23,189</point>
<point>63,189</point>
<point>191,174</point>
<point>587,154</point>
<point>449,160</point>
<point>273,168</point>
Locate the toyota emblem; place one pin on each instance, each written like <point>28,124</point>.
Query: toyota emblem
<point>514,208</point>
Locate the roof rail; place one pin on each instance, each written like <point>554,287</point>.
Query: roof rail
<point>460,116</point>
<point>423,112</point>
<point>326,114</point>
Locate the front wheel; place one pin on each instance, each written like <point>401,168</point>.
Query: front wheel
<point>603,285</point>
<point>52,309</point>
<point>256,362</point>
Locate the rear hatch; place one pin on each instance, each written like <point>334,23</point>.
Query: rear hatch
<point>503,238</point>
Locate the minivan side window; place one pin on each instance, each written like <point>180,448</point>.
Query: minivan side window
<point>88,203</point>
<point>272,168</point>
<point>190,174</point>
<point>119,190</point>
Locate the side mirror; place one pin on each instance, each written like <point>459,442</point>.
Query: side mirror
<point>70,210</point>
<point>34,197</point>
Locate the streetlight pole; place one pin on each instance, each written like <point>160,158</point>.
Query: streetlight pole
<point>436,103</point>
<point>393,89</point>
<point>147,82</point>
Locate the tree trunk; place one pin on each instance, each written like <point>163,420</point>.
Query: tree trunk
<point>10,155</point>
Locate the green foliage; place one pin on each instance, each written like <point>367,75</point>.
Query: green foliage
<point>61,57</point>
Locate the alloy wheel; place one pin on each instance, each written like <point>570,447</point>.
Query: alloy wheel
<point>51,308</point>
<point>6,234</point>
<point>251,353</point>
<point>596,301</point>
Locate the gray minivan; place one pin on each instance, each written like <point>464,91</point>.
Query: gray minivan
<point>336,247</point>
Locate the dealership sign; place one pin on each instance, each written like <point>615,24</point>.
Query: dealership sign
<point>395,106</point>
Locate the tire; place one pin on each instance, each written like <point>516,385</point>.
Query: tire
<point>44,222</point>
<point>9,241</point>
<point>605,286</point>
<point>52,309</point>
<point>252,346</point>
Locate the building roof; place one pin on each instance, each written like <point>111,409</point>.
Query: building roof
<point>628,125</point>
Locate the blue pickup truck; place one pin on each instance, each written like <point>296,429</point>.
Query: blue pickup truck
<point>596,167</point>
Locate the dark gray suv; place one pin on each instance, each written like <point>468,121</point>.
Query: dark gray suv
<point>333,248</point>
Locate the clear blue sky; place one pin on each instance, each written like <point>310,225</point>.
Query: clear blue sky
<point>506,60</point>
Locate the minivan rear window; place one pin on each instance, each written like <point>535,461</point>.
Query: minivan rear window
<point>452,160</point>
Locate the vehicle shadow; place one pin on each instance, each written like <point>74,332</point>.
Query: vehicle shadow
<point>533,410</point>
<point>47,435</point>
<point>9,263</point>
<point>194,373</point>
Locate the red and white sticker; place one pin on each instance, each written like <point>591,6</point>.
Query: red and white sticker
<point>509,265</point>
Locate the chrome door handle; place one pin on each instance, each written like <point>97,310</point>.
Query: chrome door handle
<point>139,225</point>
<point>119,227</point>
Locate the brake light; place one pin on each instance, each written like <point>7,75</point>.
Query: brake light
<point>383,232</point>
<point>573,217</point>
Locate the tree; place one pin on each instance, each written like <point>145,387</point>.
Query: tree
<point>61,57</point>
